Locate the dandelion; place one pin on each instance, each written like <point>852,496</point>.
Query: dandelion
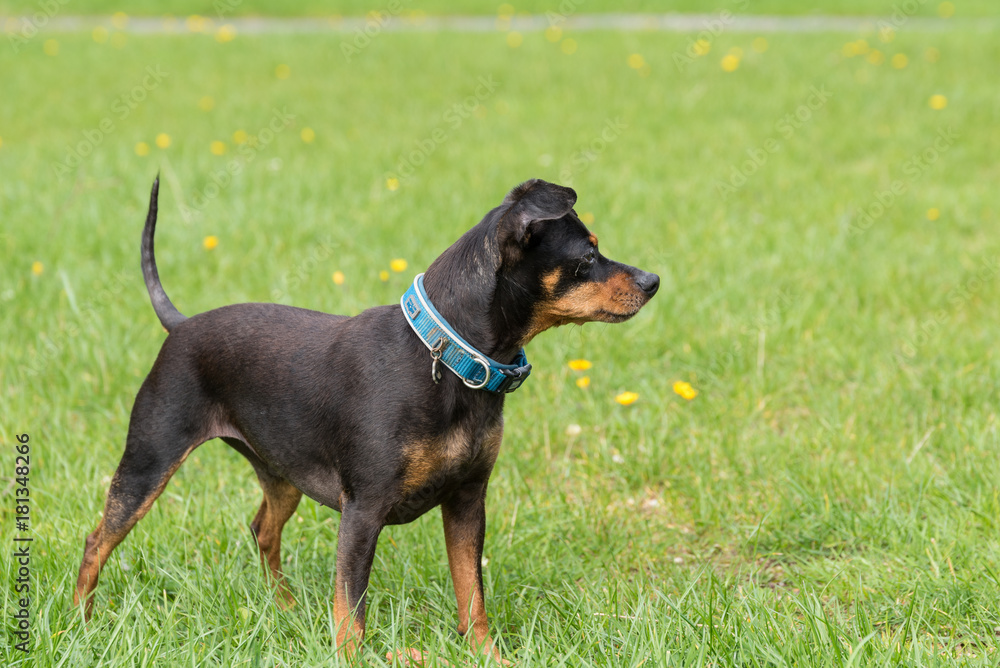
<point>946,10</point>
<point>225,33</point>
<point>876,57</point>
<point>760,44</point>
<point>308,135</point>
<point>702,47</point>
<point>938,102</point>
<point>580,365</point>
<point>383,276</point>
<point>207,103</point>
<point>583,383</point>
<point>627,398</point>
<point>514,39</point>
<point>636,61</point>
<point>119,20</point>
<point>933,214</point>
<point>899,61</point>
<point>398,265</point>
<point>210,242</point>
<point>553,33</point>
<point>51,47</point>
<point>568,46</point>
<point>685,390</point>
<point>392,183</point>
<point>163,140</point>
<point>338,278</point>
<point>587,218</point>
<point>142,148</point>
<point>730,62</point>
<point>37,268</point>
<point>282,71</point>
<point>217,147</point>
<point>240,137</point>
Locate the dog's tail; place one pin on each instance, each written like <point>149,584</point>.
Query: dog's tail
<point>168,314</point>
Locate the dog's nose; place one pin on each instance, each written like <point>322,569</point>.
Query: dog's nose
<point>648,283</point>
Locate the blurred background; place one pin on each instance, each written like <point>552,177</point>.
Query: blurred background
<point>788,458</point>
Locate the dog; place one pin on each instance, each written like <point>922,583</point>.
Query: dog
<point>360,413</point>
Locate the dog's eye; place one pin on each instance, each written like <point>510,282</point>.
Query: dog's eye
<point>590,256</point>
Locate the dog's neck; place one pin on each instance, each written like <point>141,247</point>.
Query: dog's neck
<point>464,285</point>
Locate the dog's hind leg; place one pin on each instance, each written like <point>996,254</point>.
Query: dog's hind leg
<point>160,437</point>
<point>281,498</point>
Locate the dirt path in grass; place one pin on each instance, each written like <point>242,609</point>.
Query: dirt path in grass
<point>385,22</point>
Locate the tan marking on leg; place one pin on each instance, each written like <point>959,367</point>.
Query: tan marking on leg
<point>279,504</point>
<point>350,631</point>
<point>100,544</point>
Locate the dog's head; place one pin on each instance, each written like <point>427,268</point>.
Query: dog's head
<point>549,253</point>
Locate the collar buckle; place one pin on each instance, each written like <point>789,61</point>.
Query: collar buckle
<point>513,378</point>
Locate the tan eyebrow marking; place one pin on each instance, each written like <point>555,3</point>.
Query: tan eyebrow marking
<point>593,238</point>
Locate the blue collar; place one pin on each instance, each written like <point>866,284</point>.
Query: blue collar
<point>474,368</point>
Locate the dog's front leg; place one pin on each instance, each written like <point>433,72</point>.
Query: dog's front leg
<point>356,540</point>
<point>464,517</point>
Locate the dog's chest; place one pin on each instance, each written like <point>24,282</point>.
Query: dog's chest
<point>436,466</point>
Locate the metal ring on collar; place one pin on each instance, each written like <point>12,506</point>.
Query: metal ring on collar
<point>486,368</point>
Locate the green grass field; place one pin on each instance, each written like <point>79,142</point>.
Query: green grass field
<point>830,272</point>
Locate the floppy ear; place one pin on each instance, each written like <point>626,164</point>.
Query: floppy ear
<point>533,201</point>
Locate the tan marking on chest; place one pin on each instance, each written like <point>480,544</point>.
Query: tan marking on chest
<point>430,458</point>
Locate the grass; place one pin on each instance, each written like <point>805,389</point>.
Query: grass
<point>828,499</point>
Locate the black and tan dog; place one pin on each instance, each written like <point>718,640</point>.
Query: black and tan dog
<point>347,409</point>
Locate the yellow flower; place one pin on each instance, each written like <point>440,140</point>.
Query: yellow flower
<point>308,134</point>
<point>702,47</point>
<point>876,57</point>
<point>568,46</point>
<point>383,275</point>
<point>282,71</point>
<point>398,265</point>
<point>225,33</point>
<point>626,398</point>
<point>142,148</point>
<point>587,218</point>
<point>685,390</point>
<point>933,214</point>
<point>760,44</point>
<point>163,140</point>
<point>636,61</point>
<point>119,20</point>
<point>938,102</point>
<point>210,242</point>
<point>37,268</point>
<point>100,34</point>
<point>217,147</point>
<point>580,365</point>
<point>392,183</point>
<point>240,137</point>
<point>51,47</point>
<point>946,10</point>
<point>730,62</point>
<point>553,33</point>
<point>195,23</point>
<point>514,39</point>
<point>583,382</point>
<point>899,61</point>
<point>206,103</point>
<point>338,278</point>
